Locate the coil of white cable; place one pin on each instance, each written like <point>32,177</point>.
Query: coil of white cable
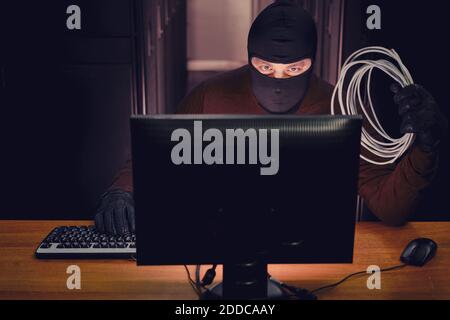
<point>390,149</point>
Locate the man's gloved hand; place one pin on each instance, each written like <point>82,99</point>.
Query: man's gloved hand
<point>420,115</point>
<point>115,213</point>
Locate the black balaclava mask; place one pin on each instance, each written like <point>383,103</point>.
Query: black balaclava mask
<point>282,33</point>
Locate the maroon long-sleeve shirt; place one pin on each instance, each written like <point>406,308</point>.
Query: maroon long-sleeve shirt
<point>392,192</point>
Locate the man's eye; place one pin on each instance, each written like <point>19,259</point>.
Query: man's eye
<point>294,69</point>
<point>265,68</point>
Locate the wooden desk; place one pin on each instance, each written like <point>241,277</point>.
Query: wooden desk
<point>24,277</point>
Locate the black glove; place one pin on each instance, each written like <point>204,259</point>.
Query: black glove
<point>420,115</point>
<point>115,213</point>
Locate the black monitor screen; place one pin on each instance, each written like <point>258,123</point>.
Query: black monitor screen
<point>209,189</point>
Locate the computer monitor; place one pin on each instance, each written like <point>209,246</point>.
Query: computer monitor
<point>245,191</point>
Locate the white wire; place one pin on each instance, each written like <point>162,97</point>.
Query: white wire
<point>392,149</point>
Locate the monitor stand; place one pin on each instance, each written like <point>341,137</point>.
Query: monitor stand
<point>250,281</point>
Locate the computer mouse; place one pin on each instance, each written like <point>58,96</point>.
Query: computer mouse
<point>419,252</point>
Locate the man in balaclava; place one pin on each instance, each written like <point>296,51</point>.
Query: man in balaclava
<point>279,80</point>
<point>281,36</point>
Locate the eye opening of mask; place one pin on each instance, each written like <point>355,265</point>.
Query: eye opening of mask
<point>281,70</point>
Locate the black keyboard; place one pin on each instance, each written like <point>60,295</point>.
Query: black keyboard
<point>85,242</point>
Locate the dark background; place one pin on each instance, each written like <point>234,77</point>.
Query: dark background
<point>416,30</point>
<point>65,101</point>
<point>65,96</point>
